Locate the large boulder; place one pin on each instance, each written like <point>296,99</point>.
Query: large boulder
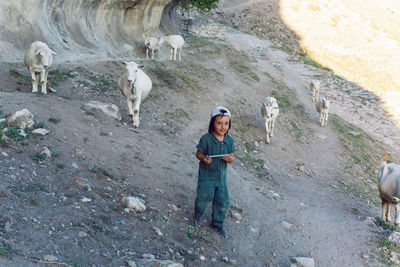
<point>21,119</point>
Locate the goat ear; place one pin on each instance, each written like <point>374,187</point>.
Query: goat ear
<point>140,66</point>
<point>37,52</point>
<point>125,63</point>
<point>54,53</point>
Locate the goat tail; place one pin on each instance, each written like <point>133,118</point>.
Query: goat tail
<point>384,169</point>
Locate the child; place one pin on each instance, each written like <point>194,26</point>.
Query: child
<point>211,185</point>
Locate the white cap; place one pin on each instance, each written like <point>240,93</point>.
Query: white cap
<point>220,111</point>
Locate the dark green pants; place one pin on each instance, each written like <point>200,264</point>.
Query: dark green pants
<point>217,193</point>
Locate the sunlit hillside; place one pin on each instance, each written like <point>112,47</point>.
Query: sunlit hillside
<point>358,39</point>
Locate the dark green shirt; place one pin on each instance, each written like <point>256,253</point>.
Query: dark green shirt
<point>209,145</point>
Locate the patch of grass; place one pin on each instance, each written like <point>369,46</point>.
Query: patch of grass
<point>178,114</point>
<point>101,171</point>
<point>164,131</point>
<point>164,74</point>
<point>243,70</point>
<point>13,72</point>
<point>34,201</point>
<point>40,125</point>
<point>4,250</point>
<point>361,155</point>
<point>39,157</point>
<point>103,82</point>
<point>188,80</point>
<point>14,134</point>
<point>306,59</point>
<point>89,113</point>
<point>203,46</point>
<point>158,96</point>
<point>250,147</point>
<point>103,134</point>
<point>76,263</point>
<point>295,130</point>
<point>379,222</point>
<point>199,234</point>
<point>54,120</point>
<point>60,165</point>
<point>58,76</point>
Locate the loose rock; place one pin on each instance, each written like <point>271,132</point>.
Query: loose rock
<point>286,225</point>
<point>40,131</point>
<point>46,151</point>
<point>304,262</point>
<point>50,258</point>
<point>236,216</point>
<point>82,234</point>
<point>395,238</point>
<point>134,204</point>
<point>21,119</point>
<point>110,110</point>
<point>157,231</point>
<point>130,264</point>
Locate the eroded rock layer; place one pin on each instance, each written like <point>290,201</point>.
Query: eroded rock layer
<point>76,28</point>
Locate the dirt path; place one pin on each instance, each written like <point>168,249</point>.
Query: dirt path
<point>327,224</point>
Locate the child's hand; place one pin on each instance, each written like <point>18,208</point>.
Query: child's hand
<point>207,160</point>
<point>230,158</point>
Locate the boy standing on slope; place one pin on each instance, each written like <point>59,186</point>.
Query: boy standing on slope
<point>215,150</point>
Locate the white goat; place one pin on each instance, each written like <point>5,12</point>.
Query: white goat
<point>322,107</point>
<point>389,188</point>
<point>175,42</point>
<point>152,44</point>
<point>270,111</point>
<point>135,85</point>
<point>38,59</point>
<point>315,85</point>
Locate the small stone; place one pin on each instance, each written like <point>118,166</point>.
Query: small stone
<point>233,262</point>
<point>364,256</point>
<point>225,259</point>
<point>7,227</point>
<point>74,165</point>
<point>130,264</point>
<point>40,131</point>
<point>50,258</point>
<point>236,216</point>
<point>148,256</point>
<point>304,262</point>
<point>301,168</point>
<point>82,234</point>
<point>395,238</point>
<point>173,207</point>
<point>276,195</point>
<point>46,151</point>
<point>286,225</point>
<point>157,231</point>
<point>4,154</point>
<point>202,258</point>
<point>85,199</point>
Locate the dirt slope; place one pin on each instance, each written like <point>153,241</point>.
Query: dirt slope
<point>42,200</point>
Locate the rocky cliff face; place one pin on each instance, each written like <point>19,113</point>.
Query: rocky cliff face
<point>80,28</point>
